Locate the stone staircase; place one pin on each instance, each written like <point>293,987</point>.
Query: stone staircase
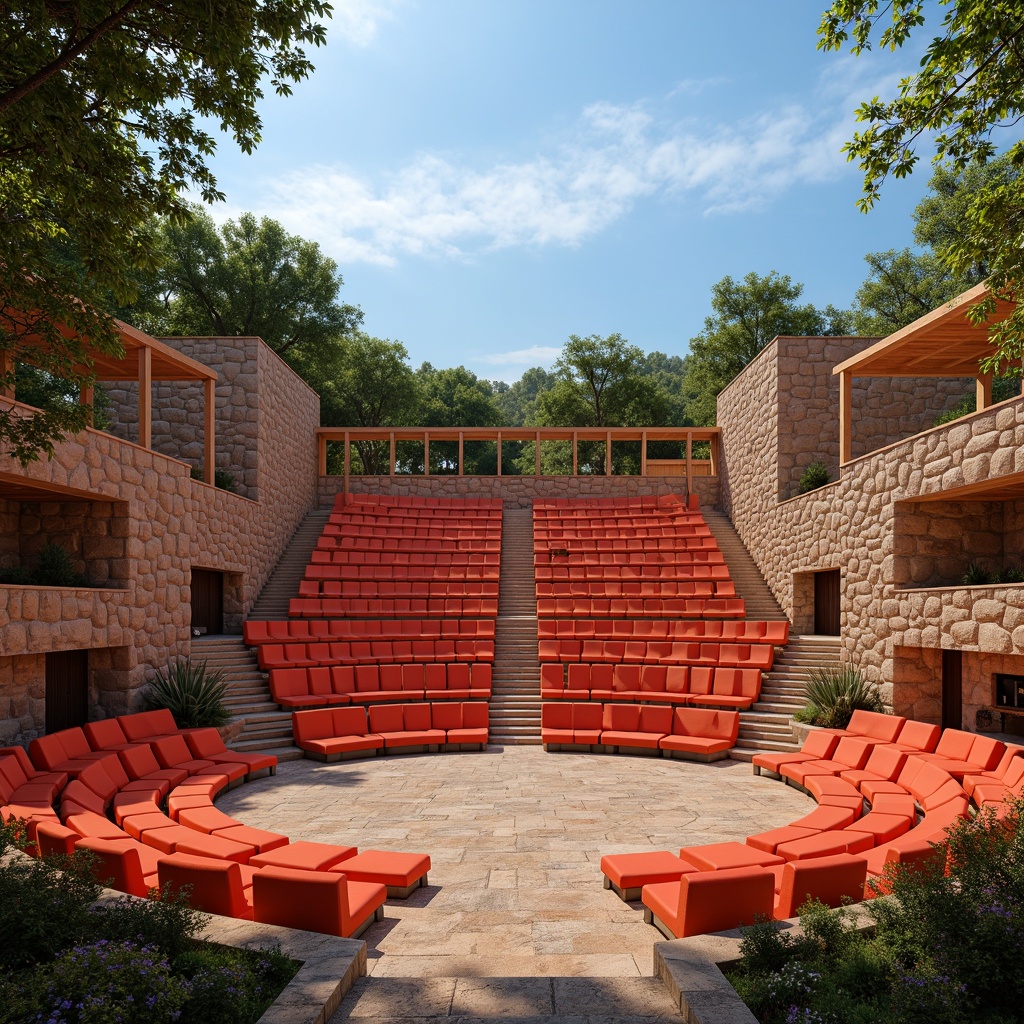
<point>515,699</point>
<point>750,584</point>
<point>283,583</point>
<point>265,728</point>
<point>768,725</point>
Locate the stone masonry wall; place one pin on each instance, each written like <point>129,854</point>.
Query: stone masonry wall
<point>850,526</point>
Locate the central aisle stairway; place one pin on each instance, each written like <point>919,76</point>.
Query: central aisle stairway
<point>515,697</point>
<point>283,583</point>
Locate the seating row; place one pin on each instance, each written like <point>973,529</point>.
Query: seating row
<point>589,538</point>
<point>364,684</point>
<point>701,685</point>
<point>632,504</point>
<point>631,572</point>
<point>384,502</point>
<point>648,607</point>
<point>330,587</point>
<point>366,652</point>
<point>655,652</point>
<point>635,589</point>
<point>333,734</point>
<point>331,565</point>
<point>563,557</point>
<point>776,633</point>
<point>430,532</point>
<point>340,539</point>
<point>335,555</point>
<point>692,733</point>
<point>389,607</point>
<point>256,632</point>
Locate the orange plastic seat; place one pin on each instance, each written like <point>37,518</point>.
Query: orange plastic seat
<point>307,856</point>
<point>724,856</point>
<point>628,873</point>
<point>829,880</point>
<point>214,886</point>
<point>122,864</point>
<point>400,872</point>
<point>316,901</point>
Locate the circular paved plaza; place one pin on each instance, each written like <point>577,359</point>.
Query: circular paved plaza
<point>515,923</point>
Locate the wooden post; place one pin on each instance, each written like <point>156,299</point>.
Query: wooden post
<point>146,397</point>
<point>348,465</point>
<point>643,453</point>
<point>845,417</point>
<point>210,431</point>
<point>714,454</point>
<point>461,448</point>
<point>6,367</point>
<point>499,453</point>
<point>426,453</point>
<point>983,391</point>
<point>321,454</point>
<point>689,464</point>
<point>608,454</point>
<point>537,453</point>
<point>391,454</point>
<point>575,453</point>
<point>87,397</point>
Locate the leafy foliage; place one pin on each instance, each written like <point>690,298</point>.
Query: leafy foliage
<point>102,127</point>
<point>969,82</point>
<point>833,693</point>
<point>814,476</point>
<point>192,693</point>
<point>53,569</point>
<point>222,479</point>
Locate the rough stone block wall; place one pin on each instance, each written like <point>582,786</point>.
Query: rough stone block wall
<point>850,526</point>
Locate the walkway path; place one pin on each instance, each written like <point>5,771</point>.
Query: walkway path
<point>515,923</point>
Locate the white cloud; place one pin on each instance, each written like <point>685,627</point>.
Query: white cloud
<point>535,355</point>
<point>616,156</point>
<point>358,20</point>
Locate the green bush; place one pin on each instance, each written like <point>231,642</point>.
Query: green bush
<point>977,576</point>
<point>832,694</point>
<point>944,949</point>
<point>814,476</point>
<point>193,694</point>
<point>221,478</point>
<point>54,569</point>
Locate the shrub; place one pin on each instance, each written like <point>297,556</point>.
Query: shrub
<point>55,569</point>
<point>1012,574</point>
<point>221,478</point>
<point>193,695</point>
<point>834,693</point>
<point>977,576</point>
<point>814,476</point>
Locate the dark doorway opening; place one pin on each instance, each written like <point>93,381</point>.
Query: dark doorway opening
<point>826,603</point>
<point>208,600</point>
<point>952,689</point>
<point>67,689</point>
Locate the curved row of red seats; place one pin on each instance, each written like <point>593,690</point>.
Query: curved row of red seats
<point>650,607</point>
<point>603,571</point>
<point>561,556</point>
<point>692,733</point>
<point>363,684</point>
<point>364,556</point>
<point>333,733</point>
<point>371,652</point>
<point>637,588</point>
<point>331,565</point>
<point>655,652</point>
<point>385,541</point>
<point>389,607</point>
<point>256,632</point>
<point>656,684</point>
<point>328,587</point>
<point>748,631</point>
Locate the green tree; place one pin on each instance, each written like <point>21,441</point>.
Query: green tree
<point>518,401</point>
<point>598,383</point>
<point>969,82</point>
<point>250,277</point>
<point>746,316</point>
<point>103,114</point>
<point>456,397</point>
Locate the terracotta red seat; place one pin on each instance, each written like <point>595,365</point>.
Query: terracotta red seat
<point>709,901</point>
<point>215,822</point>
<point>873,725</point>
<point>106,735</point>
<point>883,765</point>
<point>140,763</point>
<point>335,732</point>
<point>400,872</point>
<point>174,752</point>
<point>66,752</point>
<point>307,856</point>
<point>851,752</point>
<point>404,725</point>
<point>208,745</point>
<point>628,873</point>
<point>148,725</point>
<point>89,824</point>
<point>723,856</point>
<point>122,864</point>
<point>635,725</point>
<point>819,745</point>
<point>969,754</point>
<point>829,880</point>
<point>316,901</point>
<point>1007,773</point>
<point>827,844</point>
<point>213,886</point>
<point>701,733</point>
<point>54,839</point>
<point>126,804</point>
<point>917,737</point>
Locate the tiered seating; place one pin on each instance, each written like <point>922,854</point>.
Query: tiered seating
<point>636,605</point>
<point>144,808</point>
<point>904,772</point>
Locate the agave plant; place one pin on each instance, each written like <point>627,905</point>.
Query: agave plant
<point>191,692</point>
<point>976,576</point>
<point>834,693</point>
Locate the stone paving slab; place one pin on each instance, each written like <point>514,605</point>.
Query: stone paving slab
<point>515,907</point>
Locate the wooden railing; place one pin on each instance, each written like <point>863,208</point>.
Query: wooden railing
<point>687,466</point>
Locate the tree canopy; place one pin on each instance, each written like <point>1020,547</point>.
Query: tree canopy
<point>103,111</point>
<point>969,82</point>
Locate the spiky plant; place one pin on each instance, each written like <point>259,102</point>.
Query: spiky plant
<point>976,576</point>
<point>193,694</point>
<point>833,694</point>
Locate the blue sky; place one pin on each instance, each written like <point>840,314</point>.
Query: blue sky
<point>495,175</point>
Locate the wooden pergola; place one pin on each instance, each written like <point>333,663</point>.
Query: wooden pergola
<point>942,343</point>
<point>537,435</point>
<point>146,360</point>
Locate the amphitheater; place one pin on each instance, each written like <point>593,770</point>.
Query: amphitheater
<point>520,696</point>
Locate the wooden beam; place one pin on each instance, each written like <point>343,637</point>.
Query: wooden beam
<point>643,454</point>
<point>608,454</point>
<point>146,397</point>
<point>321,455</point>
<point>348,464</point>
<point>845,416</point>
<point>210,431</point>
<point>537,468</point>
<point>714,455</point>
<point>983,391</point>
<point>499,453</point>
<point>426,453</point>
<point>391,454</point>
<point>575,453</point>
<point>461,449</point>
<point>6,367</point>
<point>689,465</point>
